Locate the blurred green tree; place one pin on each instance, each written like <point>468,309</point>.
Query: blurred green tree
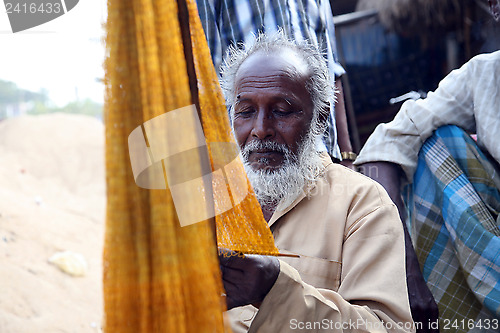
<point>39,102</point>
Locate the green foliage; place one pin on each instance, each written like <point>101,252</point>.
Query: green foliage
<point>11,94</point>
<point>39,103</point>
<point>87,107</point>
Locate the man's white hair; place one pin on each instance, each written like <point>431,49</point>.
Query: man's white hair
<point>318,84</point>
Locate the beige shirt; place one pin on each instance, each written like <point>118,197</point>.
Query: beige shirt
<point>351,272</point>
<point>468,97</point>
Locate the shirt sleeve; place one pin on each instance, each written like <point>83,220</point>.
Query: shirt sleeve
<point>372,296</point>
<point>400,140</point>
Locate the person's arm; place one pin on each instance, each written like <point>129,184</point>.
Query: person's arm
<point>399,141</point>
<point>336,70</point>
<point>343,138</point>
<point>422,303</point>
<point>389,176</point>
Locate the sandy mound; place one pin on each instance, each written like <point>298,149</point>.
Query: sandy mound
<point>52,199</point>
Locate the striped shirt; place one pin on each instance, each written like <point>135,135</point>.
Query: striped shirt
<point>468,97</point>
<point>228,22</point>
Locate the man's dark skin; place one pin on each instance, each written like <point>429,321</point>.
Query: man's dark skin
<point>272,104</point>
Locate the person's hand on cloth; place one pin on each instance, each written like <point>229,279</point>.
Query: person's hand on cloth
<point>247,278</point>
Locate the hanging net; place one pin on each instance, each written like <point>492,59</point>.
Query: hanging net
<point>173,173</point>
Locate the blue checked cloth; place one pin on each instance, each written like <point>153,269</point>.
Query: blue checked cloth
<point>228,22</point>
<point>454,206</point>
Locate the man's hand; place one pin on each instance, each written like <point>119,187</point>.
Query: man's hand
<point>247,279</point>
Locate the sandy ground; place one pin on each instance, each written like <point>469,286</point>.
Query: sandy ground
<point>52,198</point>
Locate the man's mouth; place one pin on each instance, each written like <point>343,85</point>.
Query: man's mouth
<point>265,159</point>
<point>265,151</point>
<point>264,155</point>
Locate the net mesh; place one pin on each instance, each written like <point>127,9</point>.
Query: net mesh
<point>160,276</point>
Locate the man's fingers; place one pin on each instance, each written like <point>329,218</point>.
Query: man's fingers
<point>231,303</point>
<point>225,252</point>
<point>231,259</point>
<point>229,286</point>
<point>230,273</point>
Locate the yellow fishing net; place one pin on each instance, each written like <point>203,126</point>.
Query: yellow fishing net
<point>167,175</point>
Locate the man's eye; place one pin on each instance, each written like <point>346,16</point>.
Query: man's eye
<point>282,112</point>
<point>245,112</point>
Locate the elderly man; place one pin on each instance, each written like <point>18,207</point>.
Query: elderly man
<point>345,230</point>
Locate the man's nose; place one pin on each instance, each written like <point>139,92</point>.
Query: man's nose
<point>263,126</point>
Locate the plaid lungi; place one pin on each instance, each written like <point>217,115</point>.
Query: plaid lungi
<point>454,222</point>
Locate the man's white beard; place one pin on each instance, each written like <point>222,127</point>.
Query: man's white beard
<point>283,185</point>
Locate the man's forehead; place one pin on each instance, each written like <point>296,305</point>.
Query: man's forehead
<point>285,60</point>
